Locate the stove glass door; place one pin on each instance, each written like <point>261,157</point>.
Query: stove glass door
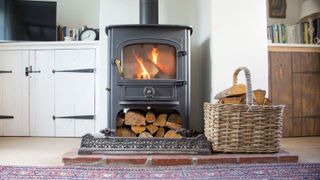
<point>149,61</point>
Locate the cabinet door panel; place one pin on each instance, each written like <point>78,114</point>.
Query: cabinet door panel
<point>41,94</point>
<point>14,100</point>
<point>74,59</point>
<point>74,91</point>
<point>64,127</point>
<point>83,127</point>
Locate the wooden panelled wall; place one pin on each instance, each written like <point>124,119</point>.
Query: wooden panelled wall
<point>294,80</point>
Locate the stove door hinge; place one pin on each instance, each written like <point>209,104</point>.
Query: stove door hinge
<point>74,117</point>
<point>182,53</point>
<point>6,117</point>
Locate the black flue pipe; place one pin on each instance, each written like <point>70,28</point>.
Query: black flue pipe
<point>149,12</point>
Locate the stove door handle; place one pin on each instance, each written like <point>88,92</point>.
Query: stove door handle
<point>118,64</point>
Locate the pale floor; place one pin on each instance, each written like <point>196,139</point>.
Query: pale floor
<point>37,151</point>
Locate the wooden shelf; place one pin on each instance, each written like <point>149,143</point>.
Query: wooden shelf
<point>36,45</point>
<point>293,47</point>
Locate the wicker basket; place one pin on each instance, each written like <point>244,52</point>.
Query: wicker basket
<point>244,128</point>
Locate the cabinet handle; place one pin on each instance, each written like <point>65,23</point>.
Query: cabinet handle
<point>6,117</point>
<point>29,71</point>
<point>75,71</point>
<point>73,117</point>
<point>2,72</point>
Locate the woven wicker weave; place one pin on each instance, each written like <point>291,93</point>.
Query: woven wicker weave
<point>244,128</point>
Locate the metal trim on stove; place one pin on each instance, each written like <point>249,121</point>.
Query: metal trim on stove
<point>148,26</point>
<point>169,103</point>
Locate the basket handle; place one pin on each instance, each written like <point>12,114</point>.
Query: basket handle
<point>249,98</point>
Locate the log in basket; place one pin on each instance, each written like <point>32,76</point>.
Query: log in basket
<point>244,128</point>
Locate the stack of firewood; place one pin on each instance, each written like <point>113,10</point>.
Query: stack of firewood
<point>136,123</point>
<point>237,95</point>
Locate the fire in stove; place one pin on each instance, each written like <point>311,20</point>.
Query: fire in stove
<point>145,61</point>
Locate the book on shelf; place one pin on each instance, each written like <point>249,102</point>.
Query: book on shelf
<point>294,34</point>
<point>64,31</point>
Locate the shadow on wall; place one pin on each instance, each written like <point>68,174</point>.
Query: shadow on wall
<point>206,72</point>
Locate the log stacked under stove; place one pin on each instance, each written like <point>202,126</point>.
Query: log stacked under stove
<point>142,124</point>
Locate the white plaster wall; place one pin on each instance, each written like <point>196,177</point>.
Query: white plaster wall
<point>292,13</point>
<point>76,13</point>
<point>113,12</point>
<point>238,39</point>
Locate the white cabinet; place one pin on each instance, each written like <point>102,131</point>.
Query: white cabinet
<point>55,99</point>
<point>14,99</point>
<point>42,93</point>
<point>74,92</point>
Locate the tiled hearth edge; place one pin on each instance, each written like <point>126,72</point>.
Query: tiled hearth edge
<point>72,158</point>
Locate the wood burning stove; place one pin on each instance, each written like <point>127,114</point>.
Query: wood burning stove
<point>149,69</point>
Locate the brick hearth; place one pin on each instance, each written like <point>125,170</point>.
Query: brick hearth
<point>72,158</point>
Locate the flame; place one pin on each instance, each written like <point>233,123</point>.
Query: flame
<point>144,74</point>
<point>155,55</point>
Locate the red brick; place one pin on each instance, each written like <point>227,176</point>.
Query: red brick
<point>126,159</point>
<point>288,159</point>
<point>171,160</point>
<point>81,160</point>
<point>258,159</point>
<point>213,159</point>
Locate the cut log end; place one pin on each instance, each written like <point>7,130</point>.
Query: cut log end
<point>123,132</point>
<point>150,117</point>
<point>138,129</point>
<point>171,134</point>
<point>160,133</point>
<point>161,120</point>
<point>152,128</point>
<point>173,126</point>
<point>175,118</point>
<point>145,135</point>
<point>134,118</point>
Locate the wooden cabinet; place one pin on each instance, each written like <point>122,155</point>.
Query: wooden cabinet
<point>294,80</point>
<point>14,88</point>
<point>56,98</point>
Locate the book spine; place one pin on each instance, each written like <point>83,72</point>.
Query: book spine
<point>305,33</point>
<point>280,33</point>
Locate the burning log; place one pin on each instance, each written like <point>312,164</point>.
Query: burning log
<point>138,129</point>
<point>161,120</point>
<point>134,118</point>
<point>150,117</point>
<point>152,128</point>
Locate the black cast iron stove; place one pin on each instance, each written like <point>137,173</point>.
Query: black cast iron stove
<point>149,70</point>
